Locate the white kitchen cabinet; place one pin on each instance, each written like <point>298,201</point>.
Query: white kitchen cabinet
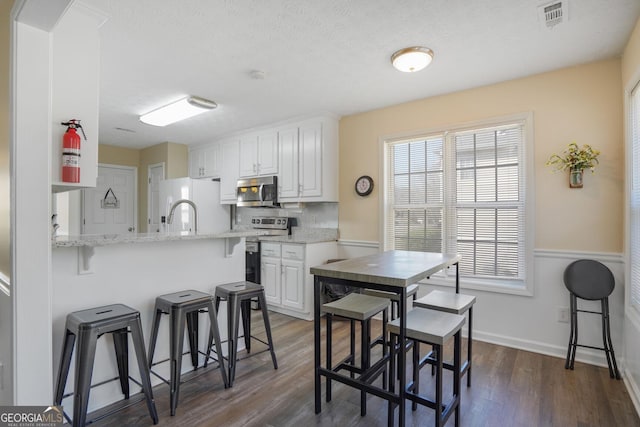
<point>285,275</point>
<point>310,158</point>
<point>259,154</point>
<point>229,170</point>
<point>292,284</point>
<point>308,153</point>
<point>75,90</point>
<point>271,272</point>
<point>204,161</point>
<point>288,183</point>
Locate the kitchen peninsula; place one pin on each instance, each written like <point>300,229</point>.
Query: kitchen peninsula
<point>134,270</point>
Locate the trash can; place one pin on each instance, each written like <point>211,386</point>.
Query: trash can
<point>331,292</point>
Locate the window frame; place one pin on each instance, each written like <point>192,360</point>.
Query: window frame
<point>525,286</point>
<point>631,309</point>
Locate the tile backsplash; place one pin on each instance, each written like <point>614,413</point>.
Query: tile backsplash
<point>309,215</point>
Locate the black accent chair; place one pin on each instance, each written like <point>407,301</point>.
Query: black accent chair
<point>590,280</point>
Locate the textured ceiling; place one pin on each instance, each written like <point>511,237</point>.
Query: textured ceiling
<point>324,55</point>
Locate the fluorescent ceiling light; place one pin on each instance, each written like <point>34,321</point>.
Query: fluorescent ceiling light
<point>179,110</point>
<point>412,59</point>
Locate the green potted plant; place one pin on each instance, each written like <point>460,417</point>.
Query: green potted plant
<point>576,160</point>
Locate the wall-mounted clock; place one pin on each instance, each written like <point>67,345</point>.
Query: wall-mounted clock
<point>364,185</point>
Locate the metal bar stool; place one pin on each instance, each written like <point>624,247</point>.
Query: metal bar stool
<point>183,306</point>
<point>362,308</point>
<point>434,328</point>
<point>412,291</point>
<point>238,296</point>
<point>456,304</point>
<point>590,280</point>
<point>86,327</point>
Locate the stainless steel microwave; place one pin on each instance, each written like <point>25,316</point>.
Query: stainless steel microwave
<point>262,191</point>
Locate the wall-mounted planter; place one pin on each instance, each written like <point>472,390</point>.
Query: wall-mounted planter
<point>575,178</point>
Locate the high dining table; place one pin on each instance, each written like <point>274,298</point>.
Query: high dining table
<point>390,271</point>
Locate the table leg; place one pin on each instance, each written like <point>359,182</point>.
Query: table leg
<point>402,355</point>
<point>316,342</point>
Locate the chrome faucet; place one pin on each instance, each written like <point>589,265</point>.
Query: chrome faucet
<point>195,212</point>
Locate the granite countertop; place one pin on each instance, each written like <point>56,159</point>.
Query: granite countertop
<point>298,235</point>
<point>111,239</point>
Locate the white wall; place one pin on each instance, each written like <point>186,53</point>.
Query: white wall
<point>530,322</point>
<point>6,349</point>
<point>31,283</point>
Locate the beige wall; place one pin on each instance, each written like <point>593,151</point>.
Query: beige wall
<point>178,165</point>
<point>5,197</point>
<point>582,104</point>
<point>631,58</point>
<point>113,155</point>
<point>175,159</point>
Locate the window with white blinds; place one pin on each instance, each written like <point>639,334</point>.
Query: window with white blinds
<point>634,199</point>
<point>464,192</point>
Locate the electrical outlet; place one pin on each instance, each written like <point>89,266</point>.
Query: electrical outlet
<point>563,314</point>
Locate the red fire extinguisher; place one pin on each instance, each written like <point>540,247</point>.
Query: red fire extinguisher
<point>71,151</point>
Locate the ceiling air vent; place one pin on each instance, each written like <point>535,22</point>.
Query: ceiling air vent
<point>553,14</point>
<point>125,130</point>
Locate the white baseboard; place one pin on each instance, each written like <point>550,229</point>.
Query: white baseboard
<point>633,389</point>
<point>592,357</point>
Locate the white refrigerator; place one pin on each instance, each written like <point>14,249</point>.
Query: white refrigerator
<point>205,194</point>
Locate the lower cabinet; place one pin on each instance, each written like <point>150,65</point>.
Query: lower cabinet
<point>288,285</point>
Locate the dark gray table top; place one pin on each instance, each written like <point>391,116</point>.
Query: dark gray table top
<point>395,268</point>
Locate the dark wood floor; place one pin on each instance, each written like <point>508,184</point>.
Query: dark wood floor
<point>510,388</point>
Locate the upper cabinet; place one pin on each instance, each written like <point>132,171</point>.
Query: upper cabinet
<point>288,182</point>
<point>309,161</point>
<point>75,86</point>
<point>204,162</point>
<point>303,155</point>
<point>229,169</point>
<point>259,154</point>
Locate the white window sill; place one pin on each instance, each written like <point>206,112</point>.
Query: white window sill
<point>512,287</point>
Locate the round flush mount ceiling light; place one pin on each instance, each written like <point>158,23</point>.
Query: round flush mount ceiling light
<point>412,59</point>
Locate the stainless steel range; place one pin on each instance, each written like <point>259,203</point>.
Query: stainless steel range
<point>273,222</point>
<point>252,251</point>
<point>252,248</point>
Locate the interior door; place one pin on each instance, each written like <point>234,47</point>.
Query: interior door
<point>110,207</point>
<point>156,174</point>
